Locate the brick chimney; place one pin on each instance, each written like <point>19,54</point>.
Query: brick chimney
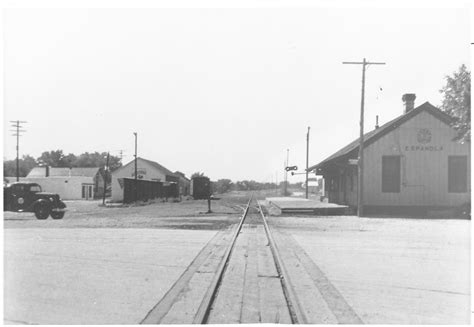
<point>408,101</point>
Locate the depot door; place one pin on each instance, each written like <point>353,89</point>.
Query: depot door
<point>87,191</point>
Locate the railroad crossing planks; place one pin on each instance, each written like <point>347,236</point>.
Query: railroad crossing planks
<point>251,290</point>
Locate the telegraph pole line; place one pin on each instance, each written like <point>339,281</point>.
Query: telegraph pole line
<point>307,160</point>
<point>17,131</point>
<point>360,189</point>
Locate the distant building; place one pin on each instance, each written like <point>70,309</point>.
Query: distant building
<point>184,183</point>
<point>314,185</point>
<point>412,164</point>
<point>70,183</point>
<point>146,170</point>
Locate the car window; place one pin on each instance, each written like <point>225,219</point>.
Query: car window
<point>35,188</point>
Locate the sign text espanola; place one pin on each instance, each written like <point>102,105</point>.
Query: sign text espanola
<point>423,148</point>
<point>424,137</point>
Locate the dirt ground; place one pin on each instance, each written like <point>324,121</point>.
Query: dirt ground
<point>389,270</point>
<point>188,214</point>
<point>92,276</point>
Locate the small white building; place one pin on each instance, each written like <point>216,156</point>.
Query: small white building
<point>146,170</point>
<point>69,183</point>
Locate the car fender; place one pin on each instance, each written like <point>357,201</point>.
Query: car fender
<point>39,201</point>
<point>61,206</point>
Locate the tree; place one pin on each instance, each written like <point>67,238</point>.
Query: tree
<point>56,159</point>
<point>197,174</point>
<point>114,163</point>
<point>457,102</point>
<point>86,159</point>
<point>97,159</point>
<point>222,185</point>
<point>26,164</point>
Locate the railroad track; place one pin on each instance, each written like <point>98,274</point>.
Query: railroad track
<point>204,311</point>
<point>208,306</point>
<point>242,276</point>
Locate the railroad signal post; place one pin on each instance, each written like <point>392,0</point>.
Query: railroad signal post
<point>360,189</point>
<point>307,160</point>
<point>290,168</point>
<point>286,172</point>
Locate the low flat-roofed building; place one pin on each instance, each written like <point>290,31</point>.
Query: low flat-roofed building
<point>77,183</point>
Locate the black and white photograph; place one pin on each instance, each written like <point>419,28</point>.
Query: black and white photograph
<point>237,162</point>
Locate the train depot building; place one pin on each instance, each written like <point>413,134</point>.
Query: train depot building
<point>412,165</point>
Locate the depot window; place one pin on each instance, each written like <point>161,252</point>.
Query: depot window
<point>457,174</point>
<point>391,174</point>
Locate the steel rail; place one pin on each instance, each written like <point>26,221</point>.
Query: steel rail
<point>205,307</point>
<point>296,313</point>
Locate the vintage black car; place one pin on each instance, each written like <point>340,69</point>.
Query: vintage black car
<point>29,197</point>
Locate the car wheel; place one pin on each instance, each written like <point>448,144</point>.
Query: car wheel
<point>57,214</point>
<point>42,211</point>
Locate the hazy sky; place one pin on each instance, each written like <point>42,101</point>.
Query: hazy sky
<point>223,91</point>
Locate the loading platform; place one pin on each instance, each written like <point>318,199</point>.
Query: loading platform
<point>290,205</point>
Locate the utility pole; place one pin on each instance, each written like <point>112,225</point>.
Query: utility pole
<point>17,131</point>
<point>276,181</point>
<point>360,189</point>
<point>286,172</point>
<point>307,160</point>
<point>105,177</point>
<point>136,170</point>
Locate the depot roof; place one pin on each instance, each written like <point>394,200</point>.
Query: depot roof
<point>377,133</point>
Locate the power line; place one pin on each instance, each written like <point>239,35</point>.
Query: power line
<point>17,132</point>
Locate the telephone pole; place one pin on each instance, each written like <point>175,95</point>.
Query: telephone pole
<point>136,170</point>
<point>106,168</point>
<point>307,160</point>
<point>276,181</point>
<point>286,172</point>
<point>360,189</point>
<point>17,131</point>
